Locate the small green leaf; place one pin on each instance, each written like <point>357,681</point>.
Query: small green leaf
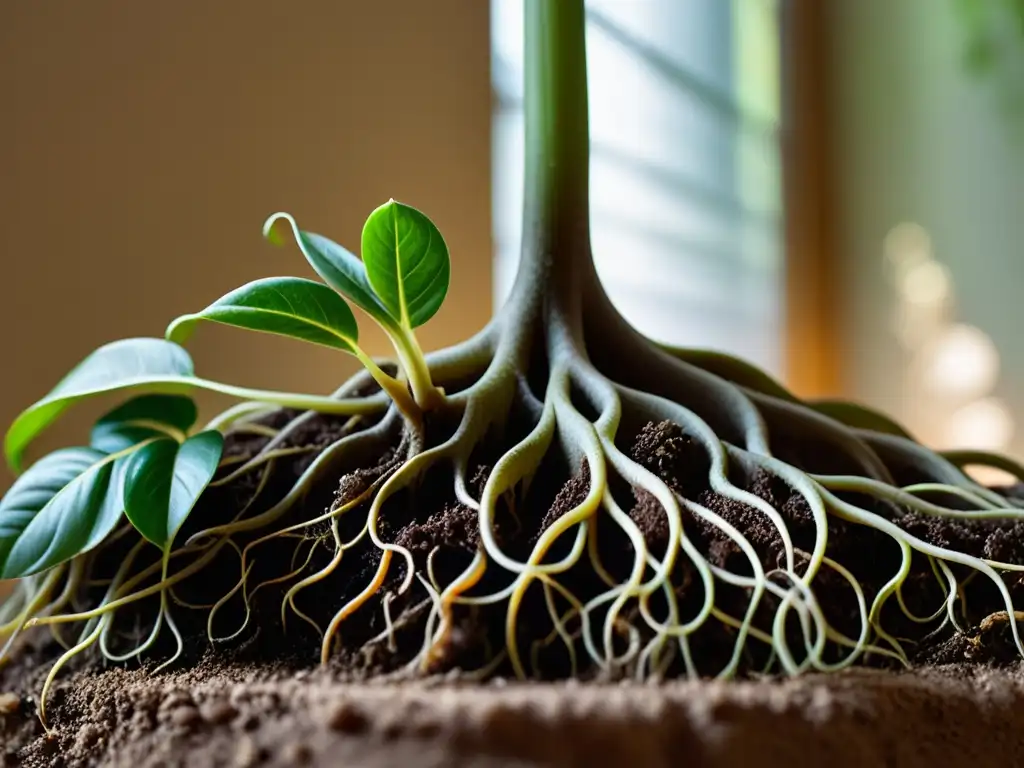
<point>406,262</point>
<point>339,267</point>
<point>143,418</point>
<point>165,479</point>
<point>150,364</point>
<point>286,306</point>
<point>36,535</point>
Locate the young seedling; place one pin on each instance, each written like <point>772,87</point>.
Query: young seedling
<point>560,358</point>
<point>400,283</point>
<point>298,308</point>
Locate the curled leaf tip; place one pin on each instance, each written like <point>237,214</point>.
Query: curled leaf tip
<point>272,234</point>
<point>180,330</point>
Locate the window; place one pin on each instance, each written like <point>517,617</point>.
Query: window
<point>685,166</point>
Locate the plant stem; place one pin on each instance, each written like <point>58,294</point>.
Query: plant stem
<point>395,389</point>
<point>410,356</point>
<point>556,256</point>
<point>348,407</point>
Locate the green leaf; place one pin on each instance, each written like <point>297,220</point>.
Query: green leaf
<point>339,267</point>
<point>85,503</point>
<point>406,262</point>
<point>151,364</point>
<point>165,479</point>
<point>143,418</point>
<point>31,492</point>
<point>286,306</point>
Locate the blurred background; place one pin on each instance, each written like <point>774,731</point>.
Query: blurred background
<point>833,190</point>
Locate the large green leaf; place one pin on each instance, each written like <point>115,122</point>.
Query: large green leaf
<point>339,267</point>
<point>143,418</point>
<point>164,480</point>
<point>286,306</point>
<point>31,492</point>
<point>37,534</point>
<point>150,364</point>
<point>406,262</point>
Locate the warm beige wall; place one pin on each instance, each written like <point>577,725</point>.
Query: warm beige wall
<point>142,144</point>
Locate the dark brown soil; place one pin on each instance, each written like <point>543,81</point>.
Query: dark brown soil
<point>96,713</point>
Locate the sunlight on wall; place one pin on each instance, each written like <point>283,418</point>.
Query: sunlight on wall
<point>918,138</point>
<point>954,367</point>
<point>685,167</point>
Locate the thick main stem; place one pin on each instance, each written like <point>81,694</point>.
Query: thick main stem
<point>556,256</point>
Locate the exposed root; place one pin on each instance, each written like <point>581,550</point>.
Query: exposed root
<point>632,624</point>
<point>735,542</point>
<point>639,614</point>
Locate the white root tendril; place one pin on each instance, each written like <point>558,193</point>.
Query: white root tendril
<point>634,623</point>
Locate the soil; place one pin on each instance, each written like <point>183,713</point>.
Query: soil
<point>259,698</point>
<point>240,716</point>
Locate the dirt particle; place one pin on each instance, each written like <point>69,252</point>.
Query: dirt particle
<point>455,526</point>
<point>669,452</point>
<point>1006,544</point>
<point>88,737</point>
<point>143,721</point>
<point>652,520</point>
<point>296,753</point>
<point>425,729</point>
<point>174,699</point>
<point>218,712</point>
<point>347,718</point>
<point>239,695</point>
<point>269,701</point>
<point>9,703</point>
<point>247,754</point>
<point>571,495</point>
<point>504,727</point>
<point>186,716</point>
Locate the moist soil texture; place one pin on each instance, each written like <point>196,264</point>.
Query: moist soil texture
<point>258,695</point>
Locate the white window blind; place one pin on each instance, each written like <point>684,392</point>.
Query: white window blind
<point>685,166</point>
